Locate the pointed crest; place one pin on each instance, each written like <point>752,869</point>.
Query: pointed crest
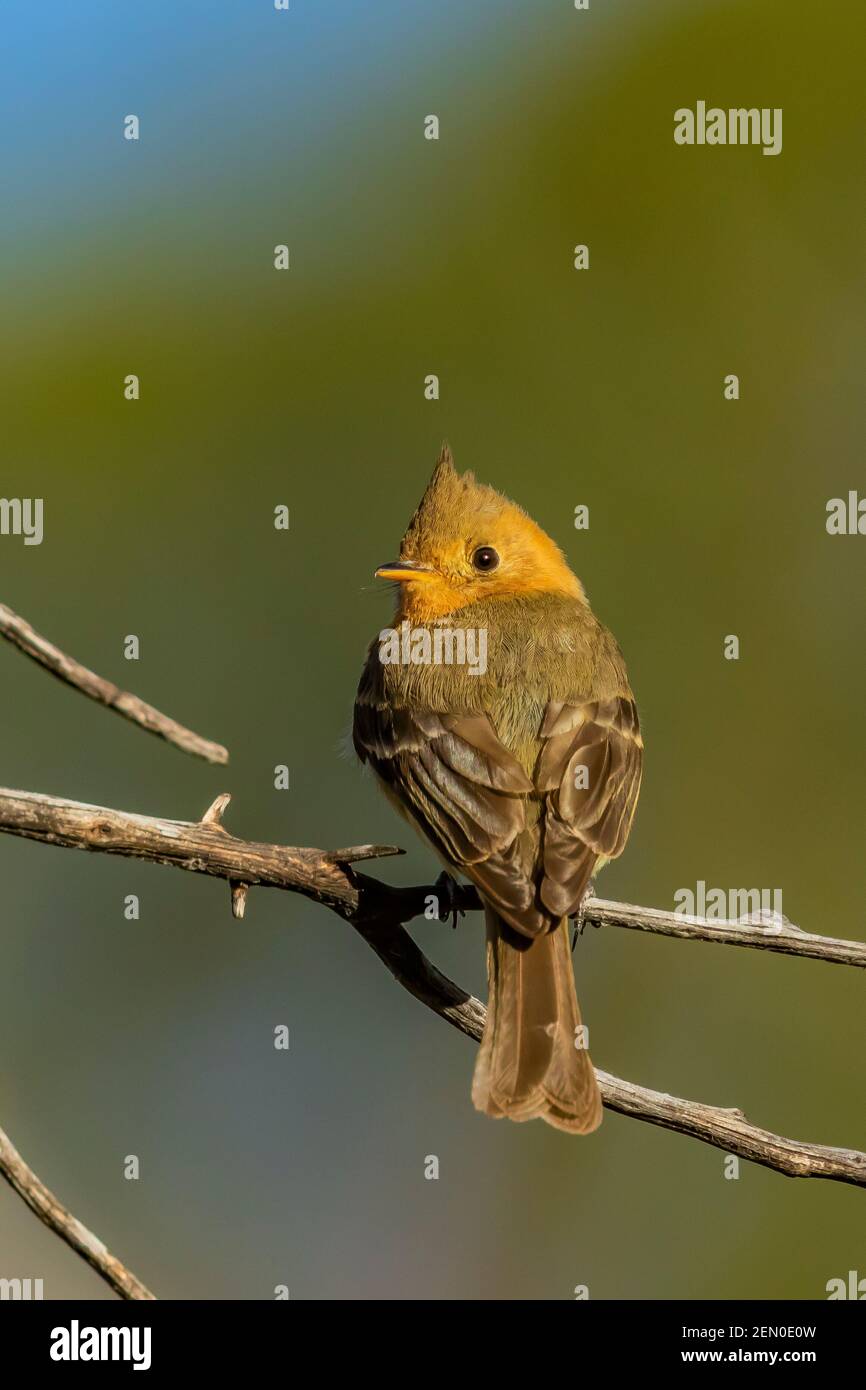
<point>441,503</point>
<point>456,514</point>
<point>442,479</point>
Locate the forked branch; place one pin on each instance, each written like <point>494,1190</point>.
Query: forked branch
<point>378,912</point>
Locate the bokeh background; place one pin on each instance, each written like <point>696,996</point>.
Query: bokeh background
<point>306,388</point>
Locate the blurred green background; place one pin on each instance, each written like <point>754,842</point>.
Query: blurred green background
<point>306,388</point>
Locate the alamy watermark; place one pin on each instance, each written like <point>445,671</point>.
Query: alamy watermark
<point>77,1343</point>
<point>760,905</point>
<point>22,516</point>
<point>436,646</point>
<point>738,125</point>
<point>852,1287</point>
<point>21,1289</point>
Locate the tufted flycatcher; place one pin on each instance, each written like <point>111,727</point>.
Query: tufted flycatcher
<point>522,771</point>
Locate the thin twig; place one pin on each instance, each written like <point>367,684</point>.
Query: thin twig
<point>58,1219</point>
<point>782,937</point>
<point>377,912</point>
<point>23,636</point>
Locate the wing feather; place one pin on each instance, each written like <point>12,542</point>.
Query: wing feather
<point>469,794</point>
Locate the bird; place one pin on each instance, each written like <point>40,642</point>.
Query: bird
<point>523,776</point>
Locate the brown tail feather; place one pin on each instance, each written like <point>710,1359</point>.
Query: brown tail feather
<point>528,1066</point>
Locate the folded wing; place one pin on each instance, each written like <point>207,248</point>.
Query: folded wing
<point>589,773</point>
<point>468,794</point>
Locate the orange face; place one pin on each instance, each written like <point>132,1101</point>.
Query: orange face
<point>467,543</point>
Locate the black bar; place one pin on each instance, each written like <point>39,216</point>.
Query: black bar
<point>226,1338</point>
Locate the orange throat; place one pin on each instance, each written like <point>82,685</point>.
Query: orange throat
<point>433,597</point>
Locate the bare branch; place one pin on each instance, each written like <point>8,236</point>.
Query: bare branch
<point>23,636</point>
<point>58,1219</point>
<point>726,1129</point>
<point>784,938</point>
<point>378,911</point>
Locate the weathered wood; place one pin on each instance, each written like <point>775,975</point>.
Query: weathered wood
<point>787,939</point>
<point>378,911</point>
<point>55,1216</point>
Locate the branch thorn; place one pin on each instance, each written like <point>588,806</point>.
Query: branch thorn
<point>213,816</point>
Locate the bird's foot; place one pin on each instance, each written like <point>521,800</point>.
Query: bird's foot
<point>579,918</point>
<point>447,892</point>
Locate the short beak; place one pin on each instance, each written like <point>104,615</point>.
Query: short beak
<point>404,570</point>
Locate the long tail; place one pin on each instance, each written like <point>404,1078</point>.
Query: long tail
<point>528,1066</point>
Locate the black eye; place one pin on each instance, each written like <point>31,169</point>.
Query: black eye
<point>485,559</point>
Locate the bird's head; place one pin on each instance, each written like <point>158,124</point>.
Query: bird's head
<point>467,543</point>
